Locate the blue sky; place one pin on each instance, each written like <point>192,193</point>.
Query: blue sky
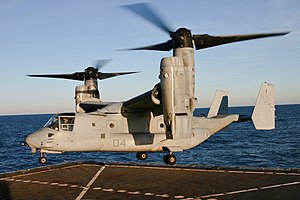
<point>57,36</point>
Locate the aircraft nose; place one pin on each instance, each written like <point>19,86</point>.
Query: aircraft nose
<point>33,140</point>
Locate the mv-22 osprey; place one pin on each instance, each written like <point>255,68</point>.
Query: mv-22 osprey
<point>160,120</point>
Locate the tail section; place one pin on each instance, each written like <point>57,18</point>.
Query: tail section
<point>263,115</point>
<point>219,104</point>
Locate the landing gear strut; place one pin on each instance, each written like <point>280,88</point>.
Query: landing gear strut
<point>42,158</point>
<point>170,159</point>
<point>141,155</point>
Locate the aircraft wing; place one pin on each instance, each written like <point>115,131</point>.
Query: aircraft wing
<point>146,102</point>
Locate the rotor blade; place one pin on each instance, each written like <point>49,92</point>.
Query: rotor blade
<point>145,11</point>
<point>100,63</point>
<point>166,46</point>
<point>75,76</point>
<point>102,76</point>
<point>206,41</point>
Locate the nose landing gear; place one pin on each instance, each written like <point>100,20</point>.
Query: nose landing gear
<point>42,158</point>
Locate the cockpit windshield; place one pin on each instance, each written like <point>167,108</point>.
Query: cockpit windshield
<point>52,122</point>
<point>63,122</point>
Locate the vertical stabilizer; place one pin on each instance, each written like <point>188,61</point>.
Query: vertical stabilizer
<point>263,116</point>
<point>219,104</point>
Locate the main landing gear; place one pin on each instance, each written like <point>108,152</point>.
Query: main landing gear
<point>169,159</point>
<point>42,158</point>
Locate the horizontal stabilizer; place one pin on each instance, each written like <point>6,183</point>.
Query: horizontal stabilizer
<point>263,116</point>
<point>219,104</point>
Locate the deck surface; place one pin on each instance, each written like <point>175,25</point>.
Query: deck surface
<point>114,181</point>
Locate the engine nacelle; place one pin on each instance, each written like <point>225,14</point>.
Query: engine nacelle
<point>175,99</point>
<point>172,79</point>
<point>84,93</point>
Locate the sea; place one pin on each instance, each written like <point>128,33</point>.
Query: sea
<point>239,145</point>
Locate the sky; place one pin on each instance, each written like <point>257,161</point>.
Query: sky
<point>48,37</point>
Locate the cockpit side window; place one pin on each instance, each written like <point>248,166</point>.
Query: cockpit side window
<point>66,123</point>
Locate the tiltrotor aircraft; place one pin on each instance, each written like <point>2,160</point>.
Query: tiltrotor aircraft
<point>160,120</point>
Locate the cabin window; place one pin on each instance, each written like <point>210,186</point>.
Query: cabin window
<point>111,125</point>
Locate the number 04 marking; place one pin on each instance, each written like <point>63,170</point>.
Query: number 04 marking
<point>118,143</point>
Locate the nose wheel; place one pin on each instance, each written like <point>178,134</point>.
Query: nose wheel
<point>42,158</point>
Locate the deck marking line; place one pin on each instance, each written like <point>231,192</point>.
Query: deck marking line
<point>87,187</point>
<point>279,185</point>
<point>43,171</point>
<point>74,186</point>
<point>205,170</point>
<point>250,172</point>
<point>122,191</point>
<point>44,183</point>
<point>63,185</point>
<point>35,182</point>
<point>251,189</point>
<point>163,195</point>
<point>107,190</point>
<point>134,193</point>
<point>149,194</point>
<point>179,197</point>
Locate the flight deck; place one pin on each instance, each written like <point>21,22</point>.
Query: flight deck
<point>134,181</point>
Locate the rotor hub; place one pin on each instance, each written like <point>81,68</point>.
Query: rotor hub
<point>91,73</point>
<point>182,38</point>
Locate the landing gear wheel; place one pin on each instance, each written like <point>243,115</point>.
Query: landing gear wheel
<point>141,155</point>
<point>42,160</point>
<point>169,159</point>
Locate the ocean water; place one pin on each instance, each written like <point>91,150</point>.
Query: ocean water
<point>239,145</point>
